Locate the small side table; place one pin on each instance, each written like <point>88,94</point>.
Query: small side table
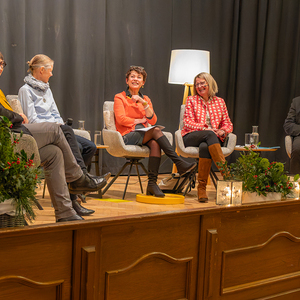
<point>97,158</point>
<point>262,150</point>
<point>258,149</point>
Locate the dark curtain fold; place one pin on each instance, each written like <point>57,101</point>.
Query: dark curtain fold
<point>254,46</point>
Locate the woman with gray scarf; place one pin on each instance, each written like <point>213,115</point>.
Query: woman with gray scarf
<point>39,106</point>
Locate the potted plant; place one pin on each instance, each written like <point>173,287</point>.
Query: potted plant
<point>19,176</point>
<point>262,180</point>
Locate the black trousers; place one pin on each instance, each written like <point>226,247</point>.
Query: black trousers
<point>201,139</point>
<point>295,156</point>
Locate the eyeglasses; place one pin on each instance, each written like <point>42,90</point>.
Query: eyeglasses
<point>3,64</point>
<point>201,84</point>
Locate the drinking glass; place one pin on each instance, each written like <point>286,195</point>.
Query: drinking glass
<point>251,139</point>
<point>97,137</point>
<point>81,124</point>
<point>248,139</point>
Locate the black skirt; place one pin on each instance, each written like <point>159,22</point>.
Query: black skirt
<point>134,137</point>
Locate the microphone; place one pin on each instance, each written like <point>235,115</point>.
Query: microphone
<point>69,122</point>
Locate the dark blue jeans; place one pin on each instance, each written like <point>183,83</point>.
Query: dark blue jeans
<point>87,149</point>
<point>82,149</point>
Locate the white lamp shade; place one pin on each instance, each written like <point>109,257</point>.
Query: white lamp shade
<point>186,64</point>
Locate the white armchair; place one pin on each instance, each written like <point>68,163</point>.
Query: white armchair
<point>193,152</point>
<point>116,146</point>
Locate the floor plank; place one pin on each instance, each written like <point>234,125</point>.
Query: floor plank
<point>111,205</point>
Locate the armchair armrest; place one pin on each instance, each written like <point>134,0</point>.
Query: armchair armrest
<point>83,133</point>
<point>230,145</point>
<point>117,147</point>
<point>288,145</point>
<point>28,143</point>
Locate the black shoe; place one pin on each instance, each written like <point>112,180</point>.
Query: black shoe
<point>81,211</point>
<point>72,218</point>
<point>86,184</point>
<point>106,176</point>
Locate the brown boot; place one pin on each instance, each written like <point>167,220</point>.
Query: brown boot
<point>217,154</point>
<point>203,173</point>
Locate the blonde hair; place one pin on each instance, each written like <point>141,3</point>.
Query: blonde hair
<point>38,61</point>
<point>213,87</point>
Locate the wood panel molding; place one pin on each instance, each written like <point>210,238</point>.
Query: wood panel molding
<point>292,293</point>
<point>58,284</point>
<point>274,261</point>
<point>210,262</point>
<point>150,256</point>
<point>87,277</point>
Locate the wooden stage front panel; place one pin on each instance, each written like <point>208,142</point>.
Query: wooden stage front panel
<point>246,252</point>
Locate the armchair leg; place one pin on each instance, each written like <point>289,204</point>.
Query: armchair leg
<point>192,179</point>
<point>44,189</point>
<point>130,163</point>
<point>126,185</point>
<point>137,170</point>
<point>214,177</point>
<point>143,167</point>
<point>115,177</point>
<point>37,203</point>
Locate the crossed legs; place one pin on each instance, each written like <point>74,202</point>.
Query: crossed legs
<point>59,163</point>
<point>156,141</point>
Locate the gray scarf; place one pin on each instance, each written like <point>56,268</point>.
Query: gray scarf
<point>36,84</point>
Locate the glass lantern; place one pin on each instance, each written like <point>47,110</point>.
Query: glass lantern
<point>229,192</point>
<point>295,189</point>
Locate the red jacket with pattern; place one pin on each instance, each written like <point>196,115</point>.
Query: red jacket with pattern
<point>195,115</point>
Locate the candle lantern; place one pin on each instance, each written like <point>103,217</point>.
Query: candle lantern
<point>229,192</point>
<point>295,189</point>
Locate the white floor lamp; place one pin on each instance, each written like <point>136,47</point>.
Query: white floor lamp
<point>184,66</point>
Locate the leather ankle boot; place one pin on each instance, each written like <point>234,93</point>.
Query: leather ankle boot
<point>204,166</point>
<point>153,188</point>
<point>81,211</point>
<point>87,184</point>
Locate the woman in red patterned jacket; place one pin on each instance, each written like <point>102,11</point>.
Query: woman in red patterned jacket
<point>206,125</point>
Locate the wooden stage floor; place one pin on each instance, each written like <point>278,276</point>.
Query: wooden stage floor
<point>112,205</point>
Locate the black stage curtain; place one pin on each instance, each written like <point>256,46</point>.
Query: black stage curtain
<point>254,46</point>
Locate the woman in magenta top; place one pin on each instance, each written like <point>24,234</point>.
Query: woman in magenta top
<point>206,125</point>
<point>134,110</point>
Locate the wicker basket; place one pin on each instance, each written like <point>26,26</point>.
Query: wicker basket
<point>11,221</point>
